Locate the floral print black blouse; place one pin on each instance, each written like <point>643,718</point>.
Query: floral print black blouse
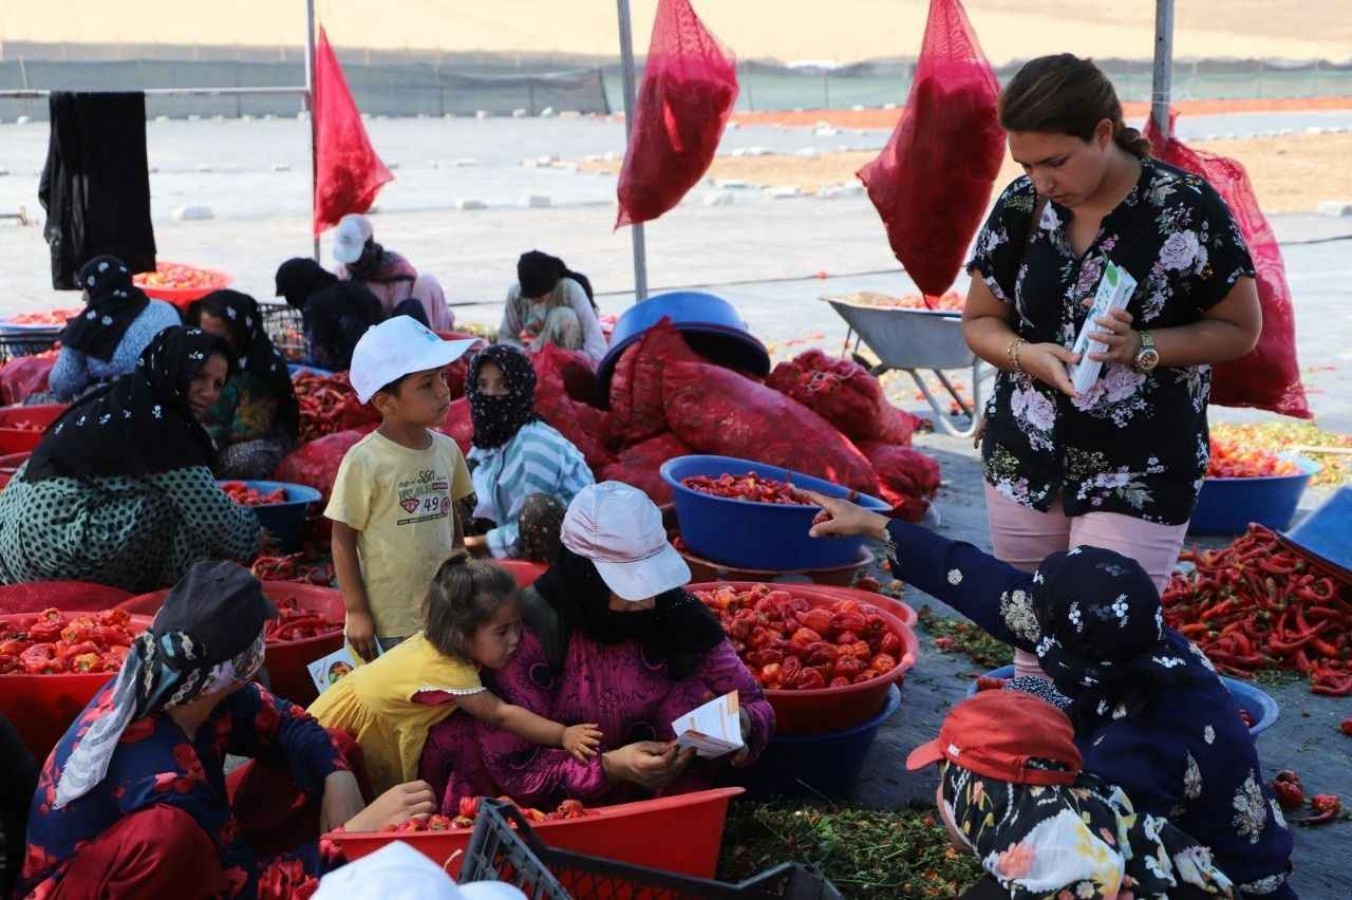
<point>1135,444</point>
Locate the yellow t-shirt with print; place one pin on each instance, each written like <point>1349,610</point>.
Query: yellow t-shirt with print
<point>402,504</point>
<point>374,704</point>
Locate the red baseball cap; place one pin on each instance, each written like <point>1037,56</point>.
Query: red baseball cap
<point>996,733</point>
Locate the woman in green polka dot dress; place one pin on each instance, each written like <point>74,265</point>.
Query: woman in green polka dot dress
<point>120,490</point>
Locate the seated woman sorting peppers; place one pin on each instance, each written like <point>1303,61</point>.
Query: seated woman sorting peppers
<point>256,419</point>
<point>1151,715</point>
<point>613,639</point>
<point>133,800</point>
<point>120,489</point>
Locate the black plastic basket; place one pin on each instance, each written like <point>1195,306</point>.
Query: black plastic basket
<point>286,328</point>
<point>503,847</point>
<point>15,345</point>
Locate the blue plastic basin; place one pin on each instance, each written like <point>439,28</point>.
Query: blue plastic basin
<point>747,535</point>
<point>817,765</point>
<point>283,520</point>
<point>1323,534</point>
<point>710,325</point>
<point>1257,703</point>
<point>1228,505</point>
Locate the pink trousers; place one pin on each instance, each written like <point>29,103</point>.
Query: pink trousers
<point>1023,537</point>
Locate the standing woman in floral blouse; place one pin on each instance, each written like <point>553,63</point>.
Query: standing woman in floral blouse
<point>1118,466</point>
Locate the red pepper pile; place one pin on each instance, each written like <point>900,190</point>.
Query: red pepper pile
<point>790,645</point>
<point>244,495</point>
<point>328,404</point>
<point>53,317</point>
<point>296,624</point>
<point>298,567</point>
<point>752,487</point>
<point>1290,794</point>
<point>468,811</point>
<point>1234,459</point>
<point>1256,605</point>
<point>52,643</point>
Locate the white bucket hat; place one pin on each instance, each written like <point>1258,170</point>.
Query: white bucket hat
<point>620,530</point>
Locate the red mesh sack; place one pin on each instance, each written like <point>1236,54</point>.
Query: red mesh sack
<point>932,182</point>
<point>845,394</point>
<point>23,377</point>
<point>586,426</point>
<point>348,173</point>
<point>459,424</point>
<point>316,463</point>
<point>1269,377</point>
<point>636,412</point>
<point>639,465</point>
<point>688,91</point>
<point>907,478</point>
<point>715,410</point>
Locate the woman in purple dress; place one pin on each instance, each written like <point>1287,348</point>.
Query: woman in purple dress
<point>612,638</point>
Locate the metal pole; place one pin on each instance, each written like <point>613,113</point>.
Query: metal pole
<point>627,61</point>
<point>1163,88</point>
<point>310,104</point>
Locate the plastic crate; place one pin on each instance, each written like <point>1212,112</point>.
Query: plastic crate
<point>286,327</point>
<point>503,847</point>
<point>15,345</point>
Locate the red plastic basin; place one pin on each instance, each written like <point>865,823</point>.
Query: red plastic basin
<point>42,707</point>
<point>67,596</point>
<point>286,660</point>
<point>182,297</point>
<point>676,834</point>
<point>838,708</point>
<point>18,440</point>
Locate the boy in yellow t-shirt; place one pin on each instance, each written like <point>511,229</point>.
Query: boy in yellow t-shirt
<point>393,503</point>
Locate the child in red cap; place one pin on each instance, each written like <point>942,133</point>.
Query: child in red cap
<point>1013,793</point>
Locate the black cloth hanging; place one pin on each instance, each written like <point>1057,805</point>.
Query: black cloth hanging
<point>96,184</point>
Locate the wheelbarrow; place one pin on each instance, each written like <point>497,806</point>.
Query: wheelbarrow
<point>916,341</point>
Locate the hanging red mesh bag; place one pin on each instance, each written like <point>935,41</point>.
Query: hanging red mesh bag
<point>845,394</point>
<point>636,412</point>
<point>715,410</point>
<point>639,466</point>
<point>1269,377</point>
<point>932,182</point>
<point>586,426</point>
<point>688,91</point>
<point>907,478</point>
<point>21,378</point>
<point>316,464</point>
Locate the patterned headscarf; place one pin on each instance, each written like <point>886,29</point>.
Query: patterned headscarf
<point>1085,840</point>
<point>1104,643</point>
<point>114,303</point>
<point>498,419</point>
<point>140,424</point>
<point>255,354</point>
<point>207,638</point>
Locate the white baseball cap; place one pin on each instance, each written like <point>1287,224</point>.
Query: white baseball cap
<point>620,530</point>
<point>354,230</point>
<point>397,347</point>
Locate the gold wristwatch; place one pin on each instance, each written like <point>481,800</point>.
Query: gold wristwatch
<point>1147,358</point>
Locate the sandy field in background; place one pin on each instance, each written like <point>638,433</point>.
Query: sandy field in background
<point>1290,174</point>
<point>789,30</point>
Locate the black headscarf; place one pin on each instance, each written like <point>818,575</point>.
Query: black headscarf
<point>678,631</point>
<point>114,303</point>
<point>300,278</point>
<point>539,273</point>
<point>255,353</point>
<point>498,419</point>
<point>1104,642</point>
<point>139,424</point>
<point>336,318</point>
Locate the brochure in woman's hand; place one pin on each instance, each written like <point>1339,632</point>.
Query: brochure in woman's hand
<point>714,730</point>
<point>1114,291</point>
